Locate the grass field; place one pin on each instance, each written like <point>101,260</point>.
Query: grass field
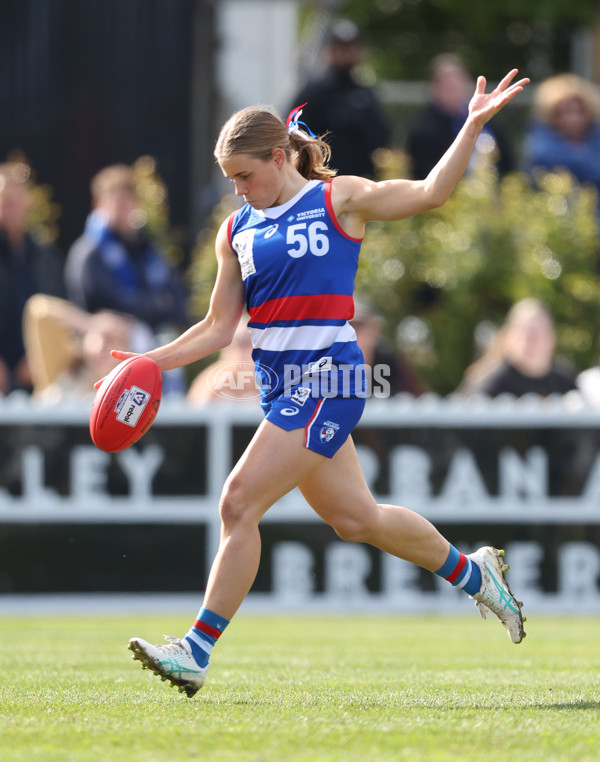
<point>304,688</point>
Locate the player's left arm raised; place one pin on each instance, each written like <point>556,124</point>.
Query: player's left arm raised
<point>360,200</point>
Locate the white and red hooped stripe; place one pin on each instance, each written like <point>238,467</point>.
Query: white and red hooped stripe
<point>463,567</point>
<point>300,337</point>
<point>310,423</point>
<point>458,569</point>
<point>198,629</point>
<point>467,576</point>
<point>304,307</point>
<point>204,627</point>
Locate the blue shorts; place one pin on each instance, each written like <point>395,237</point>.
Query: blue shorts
<point>327,421</point>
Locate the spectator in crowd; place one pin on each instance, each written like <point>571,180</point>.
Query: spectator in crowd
<point>68,349</point>
<point>588,383</point>
<point>27,267</point>
<point>231,377</point>
<point>438,123</point>
<point>521,357</point>
<point>337,105</point>
<point>115,266</point>
<point>391,374</point>
<point>565,133</point>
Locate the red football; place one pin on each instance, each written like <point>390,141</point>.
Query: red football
<point>125,404</point>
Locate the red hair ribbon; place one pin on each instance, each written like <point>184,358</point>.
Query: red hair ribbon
<point>293,123</point>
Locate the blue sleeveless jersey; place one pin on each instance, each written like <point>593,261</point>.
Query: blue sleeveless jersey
<point>298,268</point>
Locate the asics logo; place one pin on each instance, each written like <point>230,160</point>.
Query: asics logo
<point>177,669</point>
<point>271,231</point>
<point>506,600</point>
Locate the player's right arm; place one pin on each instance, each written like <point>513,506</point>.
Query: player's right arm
<point>216,330</point>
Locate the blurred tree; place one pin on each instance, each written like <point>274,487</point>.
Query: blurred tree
<point>444,279</point>
<point>203,269</point>
<point>44,213</point>
<point>153,194</point>
<point>404,35</point>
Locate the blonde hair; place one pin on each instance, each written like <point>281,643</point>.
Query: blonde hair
<point>496,351</point>
<point>555,90</point>
<point>113,178</point>
<point>257,131</point>
<point>446,61</point>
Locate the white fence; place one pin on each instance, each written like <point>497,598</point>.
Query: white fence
<point>524,475</point>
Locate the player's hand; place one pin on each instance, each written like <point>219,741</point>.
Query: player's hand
<point>484,105</point>
<point>118,355</point>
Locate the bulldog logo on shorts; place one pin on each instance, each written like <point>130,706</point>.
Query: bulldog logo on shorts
<point>328,430</point>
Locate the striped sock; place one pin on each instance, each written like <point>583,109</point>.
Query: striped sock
<point>204,633</point>
<point>461,572</point>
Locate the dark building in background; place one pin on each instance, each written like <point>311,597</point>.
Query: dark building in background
<point>86,84</point>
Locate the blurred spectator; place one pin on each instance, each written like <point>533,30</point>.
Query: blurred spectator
<point>588,383</point>
<point>231,377</point>
<point>348,112</point>
<point>390,365</point>
<point>27,267</point>
<point>69,349</point>
<point>565,133</point>
<point>521,357</point>
<point>115,266</point>
<point>441,119</point>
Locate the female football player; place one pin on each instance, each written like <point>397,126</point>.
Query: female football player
<point>289,256</point>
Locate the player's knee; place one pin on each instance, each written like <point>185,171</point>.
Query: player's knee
<point>352,528</point>
<point>234,507</point>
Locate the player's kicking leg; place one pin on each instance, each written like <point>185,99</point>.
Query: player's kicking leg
<point>495,595</point>
<point>337,491</point>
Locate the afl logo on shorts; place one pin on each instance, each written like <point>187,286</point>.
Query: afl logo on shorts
<point>271,230</point>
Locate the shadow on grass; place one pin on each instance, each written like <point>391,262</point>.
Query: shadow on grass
<point>570,706</point>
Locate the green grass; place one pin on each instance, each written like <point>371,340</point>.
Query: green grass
<point>304,688</point>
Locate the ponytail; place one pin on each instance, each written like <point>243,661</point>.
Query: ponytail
<point>311,156</point>
<point>257,131</point>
